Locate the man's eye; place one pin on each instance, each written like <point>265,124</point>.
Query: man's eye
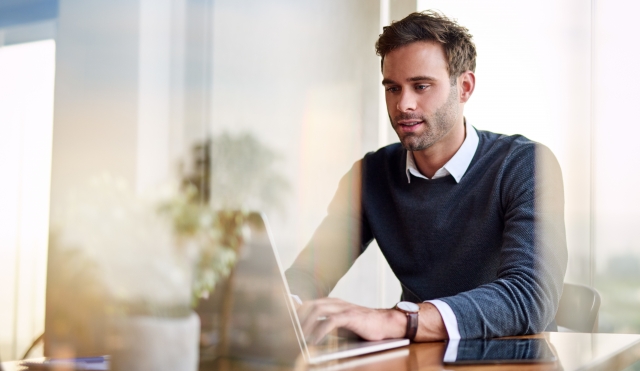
<point>392,89</point>
<point>422,87</point>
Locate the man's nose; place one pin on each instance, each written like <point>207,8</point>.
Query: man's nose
<point>407,102</point>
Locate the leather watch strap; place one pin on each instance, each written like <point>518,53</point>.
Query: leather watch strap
<point>411,310</point>
<point>412,325</point>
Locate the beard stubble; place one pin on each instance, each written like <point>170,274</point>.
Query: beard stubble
<point>436,127</point>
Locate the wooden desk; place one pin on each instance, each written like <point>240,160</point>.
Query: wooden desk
<point>576,351</point>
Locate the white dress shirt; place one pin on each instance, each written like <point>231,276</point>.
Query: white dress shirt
<point>456,166</point>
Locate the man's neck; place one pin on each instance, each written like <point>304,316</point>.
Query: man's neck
<point>435,157</point>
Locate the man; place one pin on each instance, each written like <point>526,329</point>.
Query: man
<point>471,222</point>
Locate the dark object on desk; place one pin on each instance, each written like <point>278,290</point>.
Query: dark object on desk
<point>578,308</point>
<point>497,351</point>
<point>83,363</point>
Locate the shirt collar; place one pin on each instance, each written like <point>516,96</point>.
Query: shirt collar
<point>456,166</point>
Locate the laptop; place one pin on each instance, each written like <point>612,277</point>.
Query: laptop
<point>258,318</point>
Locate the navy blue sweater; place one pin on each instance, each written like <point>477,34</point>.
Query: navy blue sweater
<point>492,246</point>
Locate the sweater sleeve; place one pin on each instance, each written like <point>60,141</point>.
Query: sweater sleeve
<point>341,237</point>
<point>524,297</point>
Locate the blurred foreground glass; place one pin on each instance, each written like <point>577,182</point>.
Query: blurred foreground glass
<point>169,111</point>
<point>265,105</point>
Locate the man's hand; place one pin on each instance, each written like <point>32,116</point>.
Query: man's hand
<point>320,317</point>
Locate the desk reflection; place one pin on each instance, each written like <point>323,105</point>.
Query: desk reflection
<point>422,357</point>
<point>575,351</point>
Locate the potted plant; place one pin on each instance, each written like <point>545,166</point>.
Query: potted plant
<point>149,259</point>
<point>133,266</point>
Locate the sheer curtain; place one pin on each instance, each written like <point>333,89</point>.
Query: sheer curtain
<point>26,127</point>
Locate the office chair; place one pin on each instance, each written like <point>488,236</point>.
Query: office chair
<point>578,308</point>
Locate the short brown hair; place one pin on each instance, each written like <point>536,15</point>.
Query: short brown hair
<point>431,26</point>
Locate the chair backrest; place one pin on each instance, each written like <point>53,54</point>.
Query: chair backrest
<point>578,309</point>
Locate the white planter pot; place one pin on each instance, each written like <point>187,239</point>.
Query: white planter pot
<point>146,343</point>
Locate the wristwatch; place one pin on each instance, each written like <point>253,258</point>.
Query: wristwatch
<point>411,310</point>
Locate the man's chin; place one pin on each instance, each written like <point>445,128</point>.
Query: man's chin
<point>411,145</point>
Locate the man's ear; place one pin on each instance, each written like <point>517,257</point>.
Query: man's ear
<point>466,84</point>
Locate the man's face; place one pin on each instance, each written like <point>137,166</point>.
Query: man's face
<point>422,104</point>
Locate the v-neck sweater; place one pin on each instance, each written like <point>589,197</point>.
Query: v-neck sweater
<point>492,246</point>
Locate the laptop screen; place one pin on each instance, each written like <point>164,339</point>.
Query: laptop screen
<point>252,315</point>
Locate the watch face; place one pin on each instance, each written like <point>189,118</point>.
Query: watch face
<point>408,306</point>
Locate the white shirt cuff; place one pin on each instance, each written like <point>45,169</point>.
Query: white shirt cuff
<point>451,354</point>
<point>448,317</point>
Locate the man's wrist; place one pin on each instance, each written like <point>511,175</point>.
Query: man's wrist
<point>431,326</point>
<point>448,318</point>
